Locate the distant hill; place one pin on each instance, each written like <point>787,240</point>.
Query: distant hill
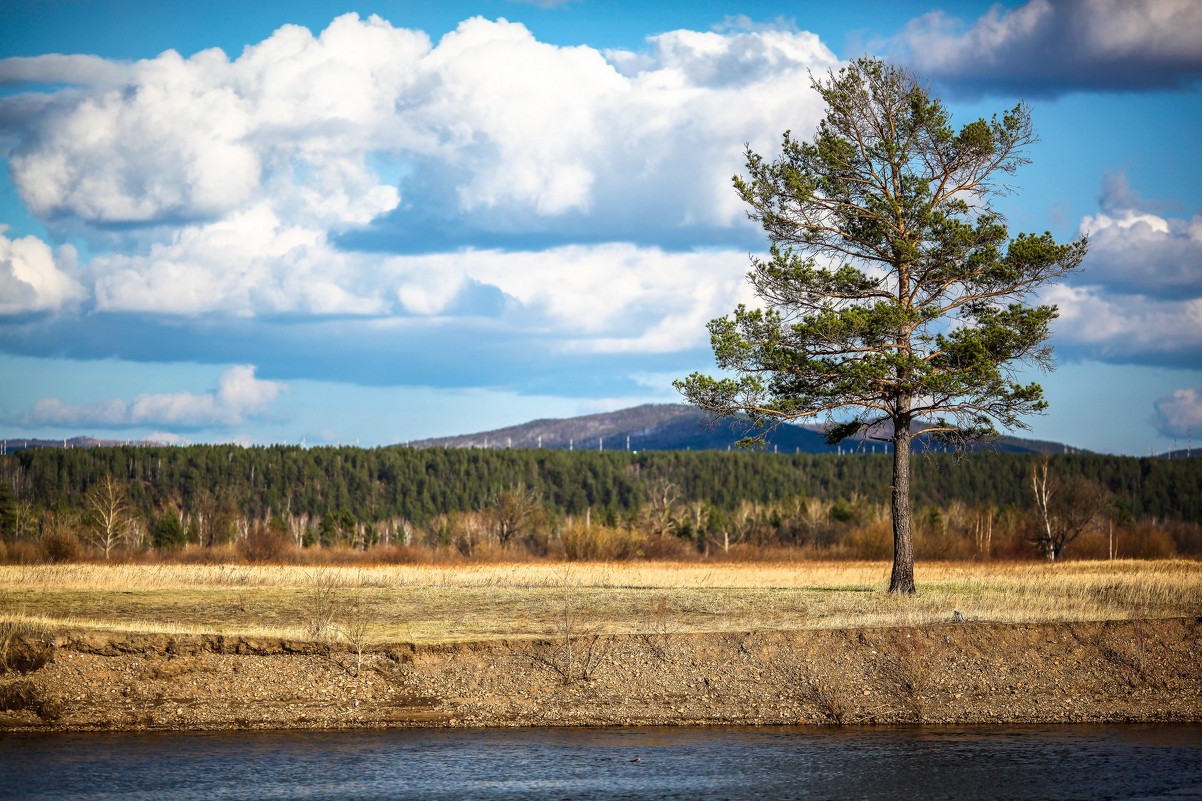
<point>14,444</point>
<point>1183,453</point>
<point>673,427</point>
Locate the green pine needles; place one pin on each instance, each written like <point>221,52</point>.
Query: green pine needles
<point>893,301</point>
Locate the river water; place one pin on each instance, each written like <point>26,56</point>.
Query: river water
<point>1013,762</point>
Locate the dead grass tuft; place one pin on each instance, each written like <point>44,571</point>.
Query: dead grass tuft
<point>24,695</point>
<point>25,646</point>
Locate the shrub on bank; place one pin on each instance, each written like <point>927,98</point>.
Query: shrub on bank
<point>60,544</point>
<point>584,542</point>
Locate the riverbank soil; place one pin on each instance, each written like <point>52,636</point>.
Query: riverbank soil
<point>965,672</point>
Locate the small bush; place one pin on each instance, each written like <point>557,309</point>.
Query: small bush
<point>60,544</point>
<point>20,553</point>
<point>872,541</point>
<point>1144,541</point>
<point>600,543</point>
<point>17,696</point>
<point>264,544</point>
<point>168,531</point>
<point>320,604</point>
<point>667,547</point>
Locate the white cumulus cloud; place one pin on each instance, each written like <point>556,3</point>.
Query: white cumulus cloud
<point>601,298</point>
<point>1138,298</point>
<point>247,263</point>
<point>488,119</point>
<point>1180,414</point>
<point>239,396</point>
<point>32,279</point>
<point>1136,251</point>
<point>234,180</point>
<point>1127,328</point>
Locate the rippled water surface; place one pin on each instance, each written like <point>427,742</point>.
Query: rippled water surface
<point>1027,762</point>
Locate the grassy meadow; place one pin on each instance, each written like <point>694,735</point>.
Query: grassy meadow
<point>428,604</point>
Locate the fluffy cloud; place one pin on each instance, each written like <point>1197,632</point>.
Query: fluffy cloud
<point>1139,297</point>
<point>31,280</point>
<point>219,187</point>
<point>490,126</point>
<point>602,297</point>
<point>246,264</point>
<point>1136,251</point>
<point>1127,329</point>
<point>239,395</point>
<point>1180,414</point>
<point>171,139</point>
<point>1052,46</point>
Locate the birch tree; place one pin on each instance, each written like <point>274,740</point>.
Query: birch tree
<point>109,514</point>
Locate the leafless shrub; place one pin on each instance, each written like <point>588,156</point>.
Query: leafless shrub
<point>1126,652</point>
<point>658,628</point>
<point>320,606</point>
<point>904,672</point>
<point>264,543</point>
<point>825,698</point>
<point>332,615</point>
<point>579,648</point>
<point>806,683</point>
<point>17,696</point>
<point>353,627</point>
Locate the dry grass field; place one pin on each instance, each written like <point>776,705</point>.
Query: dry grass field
<point>515,601</point>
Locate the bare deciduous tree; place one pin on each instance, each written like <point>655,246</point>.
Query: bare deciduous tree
<point>514,511</point>
<point>1065,508</point>
<point>109,514</point>
<point>658,515</point>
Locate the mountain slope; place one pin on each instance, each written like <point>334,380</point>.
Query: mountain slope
<point>665,427</point>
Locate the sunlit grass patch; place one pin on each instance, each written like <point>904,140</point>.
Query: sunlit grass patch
<point>432,603</point>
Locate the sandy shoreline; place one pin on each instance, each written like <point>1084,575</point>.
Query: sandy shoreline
<point>1129,671</point>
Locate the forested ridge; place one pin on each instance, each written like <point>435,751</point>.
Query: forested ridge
<point>419,484</point>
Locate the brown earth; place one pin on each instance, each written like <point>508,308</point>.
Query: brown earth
<point>1146,670</point>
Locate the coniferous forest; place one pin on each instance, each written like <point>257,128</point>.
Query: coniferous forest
<point>269,502</point>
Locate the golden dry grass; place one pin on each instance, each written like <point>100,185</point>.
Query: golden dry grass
<point>440,604</point>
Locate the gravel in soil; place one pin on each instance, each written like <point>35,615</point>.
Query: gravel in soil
<point>1143,670</point>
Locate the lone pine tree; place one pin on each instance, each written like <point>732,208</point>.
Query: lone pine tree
<point>893,301</point>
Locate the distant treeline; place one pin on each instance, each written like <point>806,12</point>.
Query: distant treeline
<point>418,485</point>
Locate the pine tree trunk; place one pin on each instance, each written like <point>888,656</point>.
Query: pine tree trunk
<point>902,579</point>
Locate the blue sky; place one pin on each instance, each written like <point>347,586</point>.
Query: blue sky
<point>376,222</point>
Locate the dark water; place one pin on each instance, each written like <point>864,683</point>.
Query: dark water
<point>1025,762</point>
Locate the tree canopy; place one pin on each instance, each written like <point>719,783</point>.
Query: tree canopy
<point>893,302</point>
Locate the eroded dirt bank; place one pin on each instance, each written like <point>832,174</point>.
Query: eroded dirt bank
<point>955,673</point>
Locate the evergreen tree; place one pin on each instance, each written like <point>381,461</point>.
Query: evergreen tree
<point>893,299</point>
<point>8,512</point>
